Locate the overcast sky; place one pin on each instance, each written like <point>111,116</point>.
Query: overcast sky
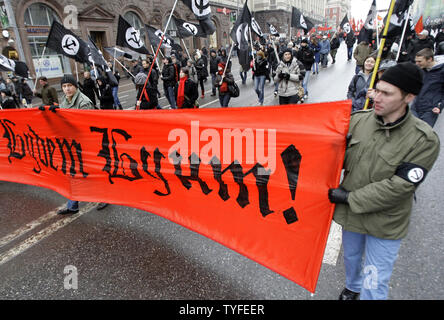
<point>359,8</point>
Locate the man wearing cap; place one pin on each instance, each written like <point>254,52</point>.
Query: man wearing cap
<point>388,155</point>
<point>423,41</point>
<point>430,101</point>
<point>48,94</point>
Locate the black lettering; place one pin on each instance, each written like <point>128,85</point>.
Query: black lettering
<point>69,149</point>
<point>158,156</point>
<point>12,141</point>
<point>291,158</point>
<point>194,168</point>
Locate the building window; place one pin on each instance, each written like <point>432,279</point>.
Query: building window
<point>52,64</point>
<point>39,14</point>
<point>134,20</point>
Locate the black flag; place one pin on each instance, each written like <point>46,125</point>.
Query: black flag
<point>65,42</point>
<point>202,11</point>
<point>273,30</point>
<point>398,18</point>
<point>129,37</point>
<point>298,20</point>
<point>366,33</point>
<point>97,56</point>
<point>155,35</point>
<point>240,33</point>
<point>18,67</point>
<point>345,25</point>
<point>188,29</point>
<point>256,28</point>
<point>117,53</point>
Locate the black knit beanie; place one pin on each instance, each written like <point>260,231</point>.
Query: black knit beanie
<point>67,78</point>
<point>406,76</point>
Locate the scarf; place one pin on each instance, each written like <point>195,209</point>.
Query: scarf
<point>181,92</point>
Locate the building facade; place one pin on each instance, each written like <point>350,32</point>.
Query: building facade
<point>25,33</point>
<point>335,11</point>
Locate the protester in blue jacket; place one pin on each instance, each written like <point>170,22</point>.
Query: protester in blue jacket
<point>324,51</point>
<point>430,101</point>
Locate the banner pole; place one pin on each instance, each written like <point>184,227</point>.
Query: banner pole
<point>157,60</point>
<point>403,34</point>
<point>155,56</point>
<point>381,47</point>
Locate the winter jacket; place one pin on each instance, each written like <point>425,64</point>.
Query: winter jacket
<point>168,75</point>
<point>362,51</point>
<point>260,67</point>
<point>350,40</point>
<point>325,46</point>
<point>201,69</point>
<point>316,49</point>
<point>306,56</point>
<point>334,43</point>
<point>191,94</point>
<point>290,87</point>
<point>9,103</point>
<point>78,101</point>
<point>228,78</point>
<point>214,61</point>
<point>432,91</point>
<point>357,90</point>
<point>89,89</point>
<point>418,45</point>
<point>48,95</point>
<point>106,97</point>
<point>380,202</point>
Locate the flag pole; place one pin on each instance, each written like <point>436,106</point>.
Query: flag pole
<point>228,61</point>
<point>157,60</point>
<point>186,49</point>
<point>40,65</point>
<point>381,47</point>
<point>77,72</point>
<point>155,56</point>
<point>116,60</point>
<point>403,34</point>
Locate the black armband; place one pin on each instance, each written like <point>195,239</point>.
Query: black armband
<point>411,172</point>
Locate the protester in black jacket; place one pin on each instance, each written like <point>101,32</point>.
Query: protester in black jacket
<point>306,56</point>
<point>105,94</point>
<point>169,80</point>
<point>88,88</point>
<point>214,61</point>
<point>186,91</point>
<point>27,93</point>
<point>350,41</point>
<point>8,101</point>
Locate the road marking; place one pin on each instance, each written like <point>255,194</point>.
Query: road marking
<point>333,244</point>
<point>39,236</point>
<point>28,227</point>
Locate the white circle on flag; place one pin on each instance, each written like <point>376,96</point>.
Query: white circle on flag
<point>347,27</point>
<point>133,38</point>
<point>70,44</point>
<point>303,23</point>
<point>190,27</point>
<point>415,175</point>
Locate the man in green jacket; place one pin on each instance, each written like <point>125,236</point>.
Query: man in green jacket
<point>74,99</point>
<point>48,94</point>
<point>389,152</point>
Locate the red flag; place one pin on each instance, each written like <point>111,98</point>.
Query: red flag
<point>419,26</point>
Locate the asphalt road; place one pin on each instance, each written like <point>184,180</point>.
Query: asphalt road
<point>124,253</point>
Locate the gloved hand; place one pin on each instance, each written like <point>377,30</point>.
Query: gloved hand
<point>53,108</point>
<point>42,108</point>
<point>286,76</point>
<point>338,195</point>
<point>281,76</point>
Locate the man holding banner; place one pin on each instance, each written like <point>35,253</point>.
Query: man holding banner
<point>389,153</point>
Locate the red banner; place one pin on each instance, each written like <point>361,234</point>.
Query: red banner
<point>253,179</point>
